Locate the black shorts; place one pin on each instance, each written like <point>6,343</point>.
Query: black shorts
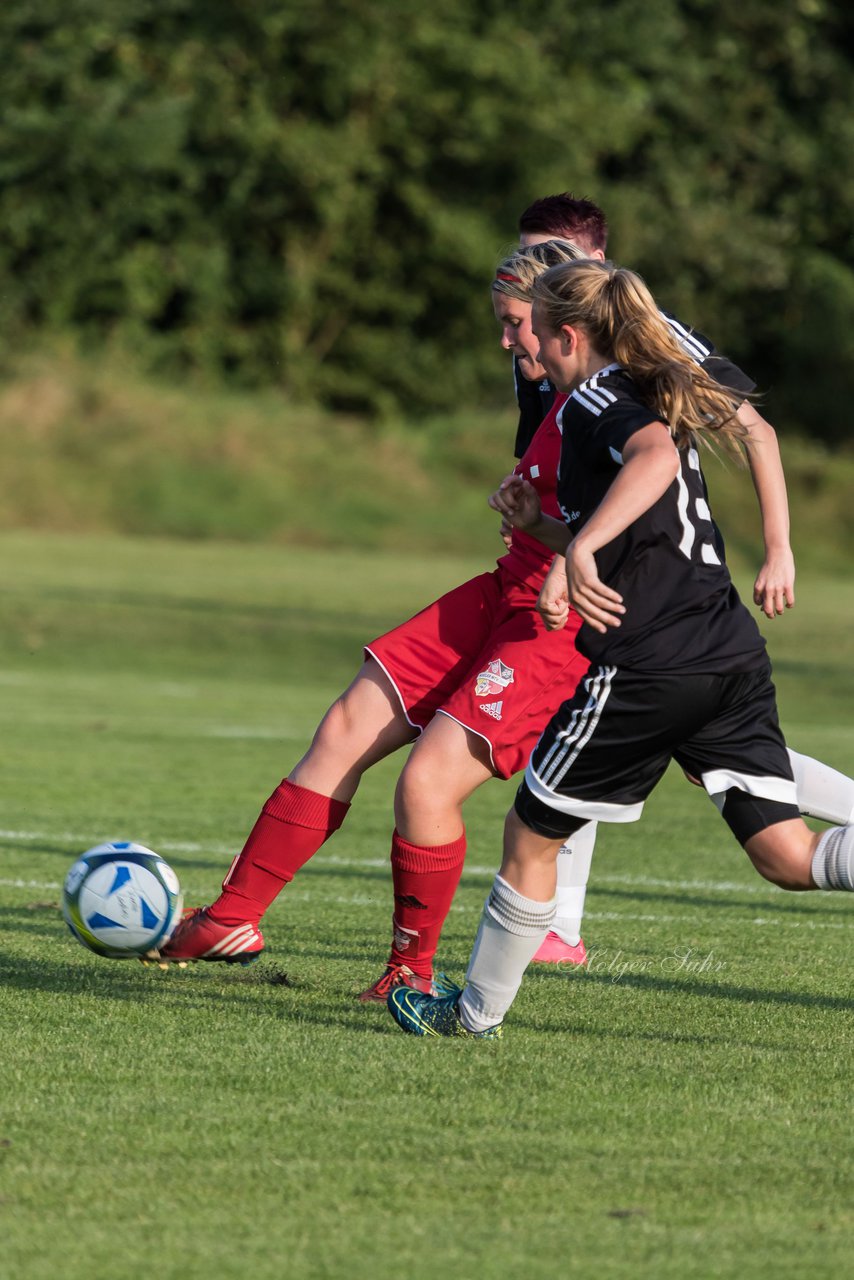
<point>609,745</point>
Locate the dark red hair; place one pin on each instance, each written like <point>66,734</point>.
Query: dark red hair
<point>569,218</point>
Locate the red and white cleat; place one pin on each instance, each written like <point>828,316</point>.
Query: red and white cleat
<point>197,937</point>
<point>553,950</point>
<point>396,975</point>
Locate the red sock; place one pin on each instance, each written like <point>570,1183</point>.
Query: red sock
<point>293,824</point>
<point>425,880</point>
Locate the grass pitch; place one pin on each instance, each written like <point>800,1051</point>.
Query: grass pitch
<point>681,1109</point>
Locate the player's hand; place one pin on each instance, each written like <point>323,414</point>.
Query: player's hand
<point>553,600</point>
<point>506,532</point>
<point>601,607</point>
<point>774,588</point>
<point>517,501</point>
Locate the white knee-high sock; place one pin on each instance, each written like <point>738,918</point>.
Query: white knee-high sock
<point>822,792</point>
<point>511,930</point>
<point>573,872</point>
<point>833,860</point>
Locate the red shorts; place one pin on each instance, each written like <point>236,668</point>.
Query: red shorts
<point>482,655</point>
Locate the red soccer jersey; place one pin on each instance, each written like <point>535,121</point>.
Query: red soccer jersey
<point>528,560</point>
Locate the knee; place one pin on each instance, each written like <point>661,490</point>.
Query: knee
<point>333,754</point>
<point>336,726</point>
<point>418,784</point>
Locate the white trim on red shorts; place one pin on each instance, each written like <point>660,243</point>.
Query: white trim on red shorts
<point>441,712</point>
<point>390,678</point>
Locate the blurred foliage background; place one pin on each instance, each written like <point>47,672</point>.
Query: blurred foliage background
<point>305,199</point>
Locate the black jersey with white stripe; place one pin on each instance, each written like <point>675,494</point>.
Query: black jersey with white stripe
<point>682,610</point>
<point>536,398</point>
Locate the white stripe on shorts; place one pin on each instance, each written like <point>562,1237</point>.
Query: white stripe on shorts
<point>570,741</point>
<point>591,810</point>
<point>719,781</point>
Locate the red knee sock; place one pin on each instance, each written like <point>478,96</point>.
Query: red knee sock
<point>293,824</point>
<point>425,880</point>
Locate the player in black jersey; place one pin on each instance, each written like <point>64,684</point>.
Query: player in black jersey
<point>678,666</point>
<point>580,220</point>
<point>583,222</point>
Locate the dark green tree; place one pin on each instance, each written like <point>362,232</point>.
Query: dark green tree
<point>313,193</point>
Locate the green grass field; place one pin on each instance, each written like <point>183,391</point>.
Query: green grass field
<point>680,1110</point>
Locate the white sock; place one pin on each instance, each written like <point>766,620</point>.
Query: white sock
<point>573,872</point>
<point>833,860</point>
<point>511,930</point>
<point>822,792</point>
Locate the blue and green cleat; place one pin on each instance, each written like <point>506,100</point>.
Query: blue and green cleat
<point>424,1015</point>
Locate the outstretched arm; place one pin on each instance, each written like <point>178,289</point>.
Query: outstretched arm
<point>774,588</point>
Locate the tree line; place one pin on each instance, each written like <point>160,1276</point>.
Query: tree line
<point>313,194</point>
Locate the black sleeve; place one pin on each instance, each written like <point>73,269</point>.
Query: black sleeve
<point>534,400</point>
<point>615,426</point>
<point>728,374</point>
<point>703,351</point>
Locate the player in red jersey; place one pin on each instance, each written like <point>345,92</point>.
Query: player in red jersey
<point>482,658</point>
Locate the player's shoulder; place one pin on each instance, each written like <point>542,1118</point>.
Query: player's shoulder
<point>606,391</point>
<point>693,343</point>
<point>705,353</point>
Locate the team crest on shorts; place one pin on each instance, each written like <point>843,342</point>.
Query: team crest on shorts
<point>492,709</point>
<point>495,678</point>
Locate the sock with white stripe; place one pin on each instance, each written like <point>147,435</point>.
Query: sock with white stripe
<point>833,860</point>
<point>822,792</point>
<point>511,930</point>
<point>573,872</point>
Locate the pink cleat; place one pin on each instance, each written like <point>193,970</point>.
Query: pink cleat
<point>553,950</point>
<point>197,937</point>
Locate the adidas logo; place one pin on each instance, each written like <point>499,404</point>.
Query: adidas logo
<point>409,900</point>
<point>492,709</point>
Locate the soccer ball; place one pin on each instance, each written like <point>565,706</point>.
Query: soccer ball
<point>121,900</point>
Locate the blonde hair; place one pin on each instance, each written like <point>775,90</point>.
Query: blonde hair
<point>515,276</point>
<point>619,314</point>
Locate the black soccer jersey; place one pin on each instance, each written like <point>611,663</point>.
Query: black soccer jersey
<point>682,610</point>
<point>536,398</point>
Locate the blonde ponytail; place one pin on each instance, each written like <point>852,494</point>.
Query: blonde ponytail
<point>618,313</point>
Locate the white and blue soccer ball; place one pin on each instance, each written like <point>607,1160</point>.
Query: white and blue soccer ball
<point>121,900</point>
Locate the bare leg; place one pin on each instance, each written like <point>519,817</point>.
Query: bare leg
<point>364,725</point>
<point>529,864</point>
<point>446,765</point>
<point>783,854</point>
<point>361,727</point>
